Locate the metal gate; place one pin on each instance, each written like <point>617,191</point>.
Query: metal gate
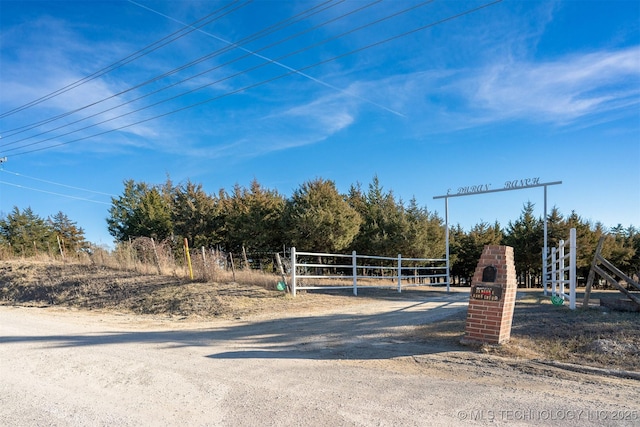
<point>341,271</point>
<point>561,269</point>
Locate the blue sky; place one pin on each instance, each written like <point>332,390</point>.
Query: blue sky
<point>444,95</point>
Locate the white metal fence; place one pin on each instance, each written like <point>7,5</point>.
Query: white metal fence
<point>311,270</point>
<point>561,269</point>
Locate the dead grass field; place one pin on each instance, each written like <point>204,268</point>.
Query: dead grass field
<point>91,287</point>
<point>593,336</point>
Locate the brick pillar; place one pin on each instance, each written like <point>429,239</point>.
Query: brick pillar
<point>492,298</point>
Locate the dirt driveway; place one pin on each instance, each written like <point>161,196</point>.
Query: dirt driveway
<point>354,366</point>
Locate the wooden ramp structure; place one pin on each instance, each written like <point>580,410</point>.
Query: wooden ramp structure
<point>612,275</point>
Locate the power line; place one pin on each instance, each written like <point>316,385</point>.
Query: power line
<point>54,194</point>
<point>378,43</point>
<point>267,62</point>
<point>136,55</point>
<point>57,183</point>
<point>255,36</point>
<point>259,83</point>
<point>280,64</point>
<point>276,27</point>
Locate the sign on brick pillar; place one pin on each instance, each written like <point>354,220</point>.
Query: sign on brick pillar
<point>492,298</point>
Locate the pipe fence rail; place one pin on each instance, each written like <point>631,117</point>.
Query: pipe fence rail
<point>561,269</point>
<point>313,270</point>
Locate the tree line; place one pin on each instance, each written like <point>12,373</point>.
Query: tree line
<point>25,233</point>
<point>526,236</point>
<point>318,218</point>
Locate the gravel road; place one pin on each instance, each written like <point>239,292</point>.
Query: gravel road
<point>342,367</point>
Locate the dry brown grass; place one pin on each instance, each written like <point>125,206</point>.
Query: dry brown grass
<point>98,287</point>
<point>593,336</point>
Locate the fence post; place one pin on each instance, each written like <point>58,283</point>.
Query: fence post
<point>554,274</point>
<point>399,273</point>
<point>354,272</point>
<point>293,271</point>
<point>572,269</point>
<point>188,256</point>
<point>233,268</point>
<point>245,259</point>
<point>281,271</point>
<point>545,278</point>
<point>155,254</point>
<point>592,274</point>
<point>561,268</point>
<point>60,246</point>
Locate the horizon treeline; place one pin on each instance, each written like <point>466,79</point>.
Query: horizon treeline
<point>26,233</point>
<point>318,218</point>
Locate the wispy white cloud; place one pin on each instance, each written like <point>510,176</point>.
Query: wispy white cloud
<point>257,125</point>
<point>59,56</point>
<point>596,86</point>
<point>328,114</point>
<point>293,126</point>
<point>502,83</point>
<point>557,91</point>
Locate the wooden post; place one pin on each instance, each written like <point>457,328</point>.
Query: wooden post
<point>186,252</point>
<point>592,273</point>
<point>155,254</point>
<point>233,269</point>
<point>244,258</point>
<point>281,270</point>
<point>205,267</point>
<point>132,257</point>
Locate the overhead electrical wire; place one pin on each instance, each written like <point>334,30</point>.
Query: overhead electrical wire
<point>209,56</point>
<point>134,56</point>
<point>380,42</point>
<point>57,183</point>
<point>255,84</point>
<point>218,52</point>
<point>323,83</point>
<point>53,193</point>
<point>267,62</point>
<point>269,30</point>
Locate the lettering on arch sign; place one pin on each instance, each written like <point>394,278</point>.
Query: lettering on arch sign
<point>522,183</point>
<point>510,185</point>
<point>514,184</point>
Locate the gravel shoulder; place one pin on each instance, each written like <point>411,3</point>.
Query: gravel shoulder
<point>355,367</point>
<point>92,346</point>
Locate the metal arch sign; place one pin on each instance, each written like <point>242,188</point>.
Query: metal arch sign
<point>516,184</point>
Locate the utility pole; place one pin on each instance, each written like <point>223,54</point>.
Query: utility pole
<point>2,159</point>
